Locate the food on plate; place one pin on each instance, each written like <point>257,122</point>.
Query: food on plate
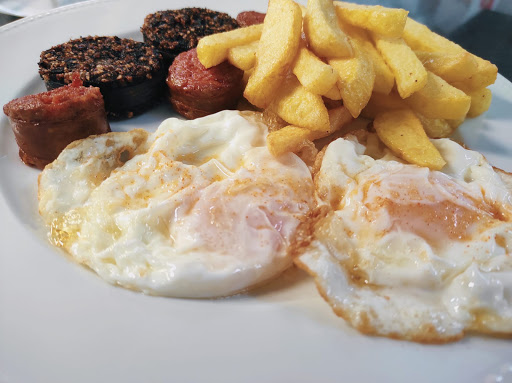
<point>213,49</point>
<point>45,123</point>
<point>323,32</point>
<point>410,75</point>
<point>243,56</point>
<point>248,18</point>
<point>402,132</point>
<point>360,55</point>
<point>298,106</point>
<point>438,99</point>
<point>315,75</point>
<point>389,22</point>
<point>411,253</point>
<point>278,46</point>
<point>480,101</point>
<point>294,138</point>
<point>199,208</point>
<point>196,91</point>
<point>129,74</point>
<point>356,77</point>
<point>175,31</point>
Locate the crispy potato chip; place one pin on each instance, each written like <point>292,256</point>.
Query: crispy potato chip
<point>315,75</point>
<point>410,75</point>
<point>356,78</point>
<point>213,49</point>
<point>380,103</point>
<point>438,99</point>
<point>243,56</point>
<point>402,132</point>
<point>298,106</point>
<point>323,32</point>
<point>277,48</point>
<point>435,127</point>
<point>480,102</point>
<point>388,22</point>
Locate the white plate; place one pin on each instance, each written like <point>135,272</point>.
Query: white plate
<point>60,323</point>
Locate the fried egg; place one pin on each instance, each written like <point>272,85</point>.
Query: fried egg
<point>197,209</point>
<point>406,252</point>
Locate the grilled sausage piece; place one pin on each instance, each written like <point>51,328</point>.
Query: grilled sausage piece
<point>45,123</point>
<point>196,91</point>
<point>248,18</point>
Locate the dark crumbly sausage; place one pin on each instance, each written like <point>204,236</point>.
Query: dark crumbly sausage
<point>45,123</point>
<point>130,74</point>
<point>196,91</point>
<point>175,31</point>
<point>248,18</point>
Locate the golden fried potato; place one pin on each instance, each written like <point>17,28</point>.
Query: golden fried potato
<point>213,49</point>
<point>323,32</point>
<point>449,66</point>
<point>333,93</point>
<point>384,78</point>
<point>288,139</point>
<point>421,38</point>
<point>315,75</point>
<point>402,132</point>
<point>480,102</point>
<point>410,75</point>
<point>485,75</point>
<point>388,22</point>
<point>243,56</point>
<point>356,78</point>
<point>435,127</point>
<point>380,103</point>
<point>298,106</point>
<point>278,46</point>
<point>438,99</point>
<point>293,138</point>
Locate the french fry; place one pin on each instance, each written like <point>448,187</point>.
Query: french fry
<point>277,48</point>
<point>402,132</point>
<point>435,127</point>
<point>213,49</point>
<point>298,106</point>
<point>388,22</point>
<point>315,75</point>
<point>333,93</point>
<point>438,99</point>
<point>288,139</point>
<point>356,78</point>
<point>449,66</point>
<point>380,103</point>
<point>243,56</point>
<point>480,102</point>
<point>324,35</point>
<point>420,38</point>
<point>292,138</point>
<point>410,75</point>
<point>484,76</point>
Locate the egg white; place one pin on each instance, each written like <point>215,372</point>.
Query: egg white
<point>199,208</point>
<point>406,252</point>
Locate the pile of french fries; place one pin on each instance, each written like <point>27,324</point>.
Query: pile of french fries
<point>320,66</point>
